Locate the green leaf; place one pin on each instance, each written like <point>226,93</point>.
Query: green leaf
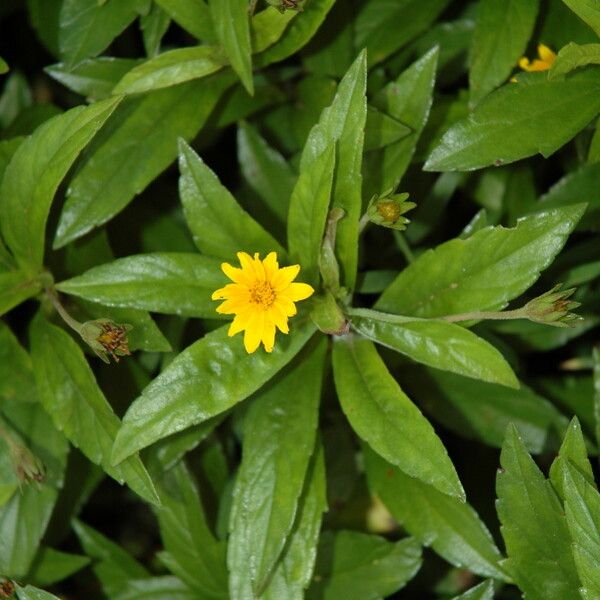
<point>165,282</point>
<point>94,78</point>
<point>408,100</point>
<point>267,171</point>
<point>279,439</point>
<point>16,287</point>
<point>51,566</point>
<point>483,591</point>
<point>572,451</point>
<point>193,15</point>
<point>596,380</point>
<point>358,566</point>
<point>382,130</point>
<point>138,144</point>
<point>170,68</point>
<point>155,588</point>
<point>573,56</point>
<point>438,344</point>
<point>4,68</point>
<point>452,528</point>
<point>501,34</point>
<point>36,170</point>
<point>582,507</point>
<point>191,550</point>
<point>206,379</point>
<point>72,398</point>
<point>231,23</point>
<point>268,26</point>
<point>484,410</point>
<point>482,272</point>
<point>588,11</point>
<point>294,571</point>
<point>87,27</point>
<point>298,33</point>
<point>113,566</point>
<point>580,184</point>
<point>309,207</point>
<point>32,593</point>
<point>218,223</point>
<point>343,123</point>
<point>154,25</point>
<point>384,416</point>
<point>383,27</point>
<point>517,121</point>
<point>24,515</point>
<point>533,526</point>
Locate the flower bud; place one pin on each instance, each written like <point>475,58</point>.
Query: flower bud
<point>328,316</point>
<point>387,210</point>
<point>553,308</point>
<point>106,338</point>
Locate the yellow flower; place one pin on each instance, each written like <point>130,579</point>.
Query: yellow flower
<point>261,297</point>
<point>543,63</point>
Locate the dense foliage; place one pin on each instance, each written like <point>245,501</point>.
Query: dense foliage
<point>359,426</point>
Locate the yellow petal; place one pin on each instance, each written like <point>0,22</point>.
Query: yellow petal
<point>234,273</point>
<point>298,291</point>
<point>258,268</point>
<point>270,265</point>
<point>284,277</point>
<point>546,54</point>
<point>268,336</point>
<point>246,262</point>
<point>278,316</point>
<point>230,307</point>
<point>253,333</point>
<point>238,324</point>
<point>285,305</point>
<point>524,63</point>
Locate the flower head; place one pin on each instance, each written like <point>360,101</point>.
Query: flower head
<point>261,297</point>
<point>543,63</point>
<point>106,338</point>
<point>388,209</point>
<point>553,308</point>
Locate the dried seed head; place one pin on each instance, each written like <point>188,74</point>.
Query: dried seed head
<point>553,308</point>
<point>106,338</point>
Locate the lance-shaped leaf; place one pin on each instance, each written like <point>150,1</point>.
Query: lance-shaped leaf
<point>533,526</point>
<point>408,99</point>
<point>165,282</point>
<point>193,15</point>
<point>452,528</point>
<point>502,30</point>
<point>586,10</point>
<point>220,226</point>
<point>384,416</point>
<point>51,566</point>
<point>87,27</point>
<point>483,591</point>
<point>34,173</point>
<point>204,380</point>
<point>436,344</point>
<point>138,144</point>
<point>71,396</point>
<point>344,122</point>
<point>191,550</point>
<point>582,507</point>
<point>267,171</point>
<point>16,287</point>
<point>518,121</point>
<point>25,514</point>
<point>232,26</point>
<point>484,271</point>
<point>308,211</point>
<point>294,571</point>
<point>279,439</point>
<point>573,56</point>
<point>357,565</point>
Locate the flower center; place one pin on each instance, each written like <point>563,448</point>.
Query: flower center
<point>262,294</point>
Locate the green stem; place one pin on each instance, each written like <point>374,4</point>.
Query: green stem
<point>364,221</point>
<point>404,247</point>
<point>488,316</point>
<point>60,309</point>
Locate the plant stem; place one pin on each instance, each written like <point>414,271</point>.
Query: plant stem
<point>404,247</point>
<point>364,221</point>
<point>489,316</point>
<point>60,309</point>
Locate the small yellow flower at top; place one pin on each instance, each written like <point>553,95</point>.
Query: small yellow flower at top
<point>543,63</point>
<point>261,297</point>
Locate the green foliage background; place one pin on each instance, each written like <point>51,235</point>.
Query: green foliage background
<point>384,448</point>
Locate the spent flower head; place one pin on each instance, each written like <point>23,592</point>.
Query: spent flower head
<point>261,297</point>
<point>553,308</point>
<point>106,338</point>
<point>7,588</point>
<point>283,5</point>
<point>387,210</point>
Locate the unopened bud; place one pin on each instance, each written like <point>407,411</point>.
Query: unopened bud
<point>106,338</point>
<point>387,210</point>
<point>553,308</point>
